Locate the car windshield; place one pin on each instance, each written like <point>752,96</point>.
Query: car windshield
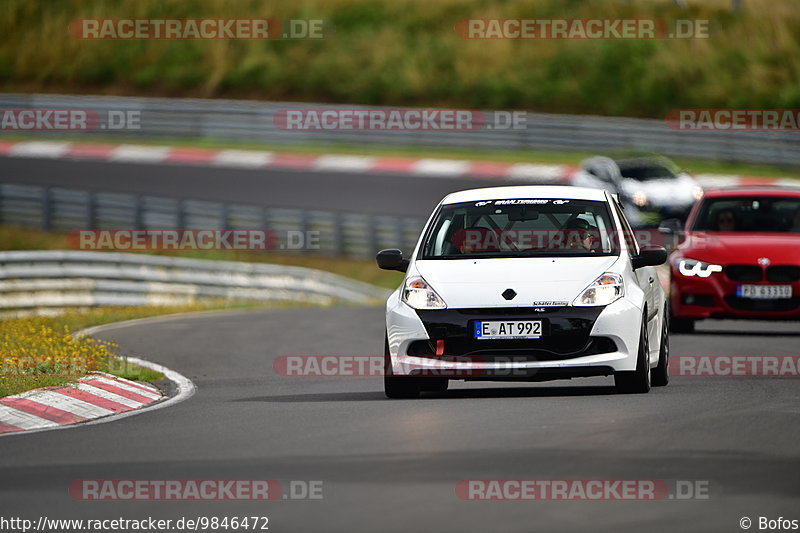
<point>521,228</point>
<point>644,172</point>
<point>749,214</point>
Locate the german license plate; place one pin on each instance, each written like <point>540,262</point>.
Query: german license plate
<point>764,292</point>
<point>508,329</point>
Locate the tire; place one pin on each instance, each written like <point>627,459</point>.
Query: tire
<point>433,384</point>
<point>637,381</point>
<point>397,387</point>
<point>681,325</point>
<point>660,374</point>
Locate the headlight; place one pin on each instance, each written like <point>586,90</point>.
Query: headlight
<point>639,198</point>
<point>606,289</point>
<point>693,267</point>
<point>419,295</point>
<point>697,192</point>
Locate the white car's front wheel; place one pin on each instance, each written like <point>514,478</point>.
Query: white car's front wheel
<point>637,381</point>
<point>660,377</point>
<point>397,387</point>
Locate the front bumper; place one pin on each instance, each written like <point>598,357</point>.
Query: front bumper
<point>697,298</point>
<point>576,342</point>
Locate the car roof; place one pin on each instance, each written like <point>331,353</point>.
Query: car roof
<point>738,192</point>
<point>526,191</point>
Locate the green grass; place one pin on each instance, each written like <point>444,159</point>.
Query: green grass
<point>125,369</point>
<point>406,52</point>
<point>15,384</point>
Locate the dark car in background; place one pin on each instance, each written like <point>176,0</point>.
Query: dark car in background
<point>657,185</point>
<point>652,188</point>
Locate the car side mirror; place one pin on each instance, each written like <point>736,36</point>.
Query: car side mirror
<point>652,256</point>
<point>391,259</point>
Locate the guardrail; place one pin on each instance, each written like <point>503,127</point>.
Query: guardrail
<point>339,234</point>
<point>253,121</point>
<point>59,279</point>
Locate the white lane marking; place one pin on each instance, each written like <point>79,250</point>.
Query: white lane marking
<point>21,419</point>
<point>536,172</point>
<point>243,158</point>
<point>122,385</point>
<point>66,403</point>
<point>133,404</point>
<point>135,153</point>
<point>440,167</point>
<point>40,149</point>
<point>344,163</point>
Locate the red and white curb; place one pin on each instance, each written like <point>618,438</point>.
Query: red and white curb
<point>94,399</point>
<point>255,159</point>
<point>93,396</point>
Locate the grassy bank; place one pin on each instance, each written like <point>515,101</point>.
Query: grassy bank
<point>42,351</point>
<point>406,52</point>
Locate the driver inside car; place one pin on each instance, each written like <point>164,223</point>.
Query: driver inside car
<point>580,234</point>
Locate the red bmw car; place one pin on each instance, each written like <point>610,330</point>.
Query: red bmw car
<point>740,258</point>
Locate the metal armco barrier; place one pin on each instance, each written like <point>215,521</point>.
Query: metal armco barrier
<point>59,279</point>
<point>339,234</point>
<point>254,121</point>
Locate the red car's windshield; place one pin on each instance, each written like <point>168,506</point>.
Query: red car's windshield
<point>749,214</point>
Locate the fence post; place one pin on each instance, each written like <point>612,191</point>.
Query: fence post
<point>90,209</point>
<point>224,216</point>
<point>47,209</point>
<point>338,234</point>
<point>305,223</point>
<point>372,236</point>
<point>138,212</point>
<point>180,221</point>
<point>399,223</point>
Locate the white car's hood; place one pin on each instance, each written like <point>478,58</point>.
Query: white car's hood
<point>537,281</point>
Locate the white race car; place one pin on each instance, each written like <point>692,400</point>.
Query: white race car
<point>526,283</point>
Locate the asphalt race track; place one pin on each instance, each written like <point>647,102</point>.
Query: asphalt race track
<point>393,465</point>
<point>369,193</point>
